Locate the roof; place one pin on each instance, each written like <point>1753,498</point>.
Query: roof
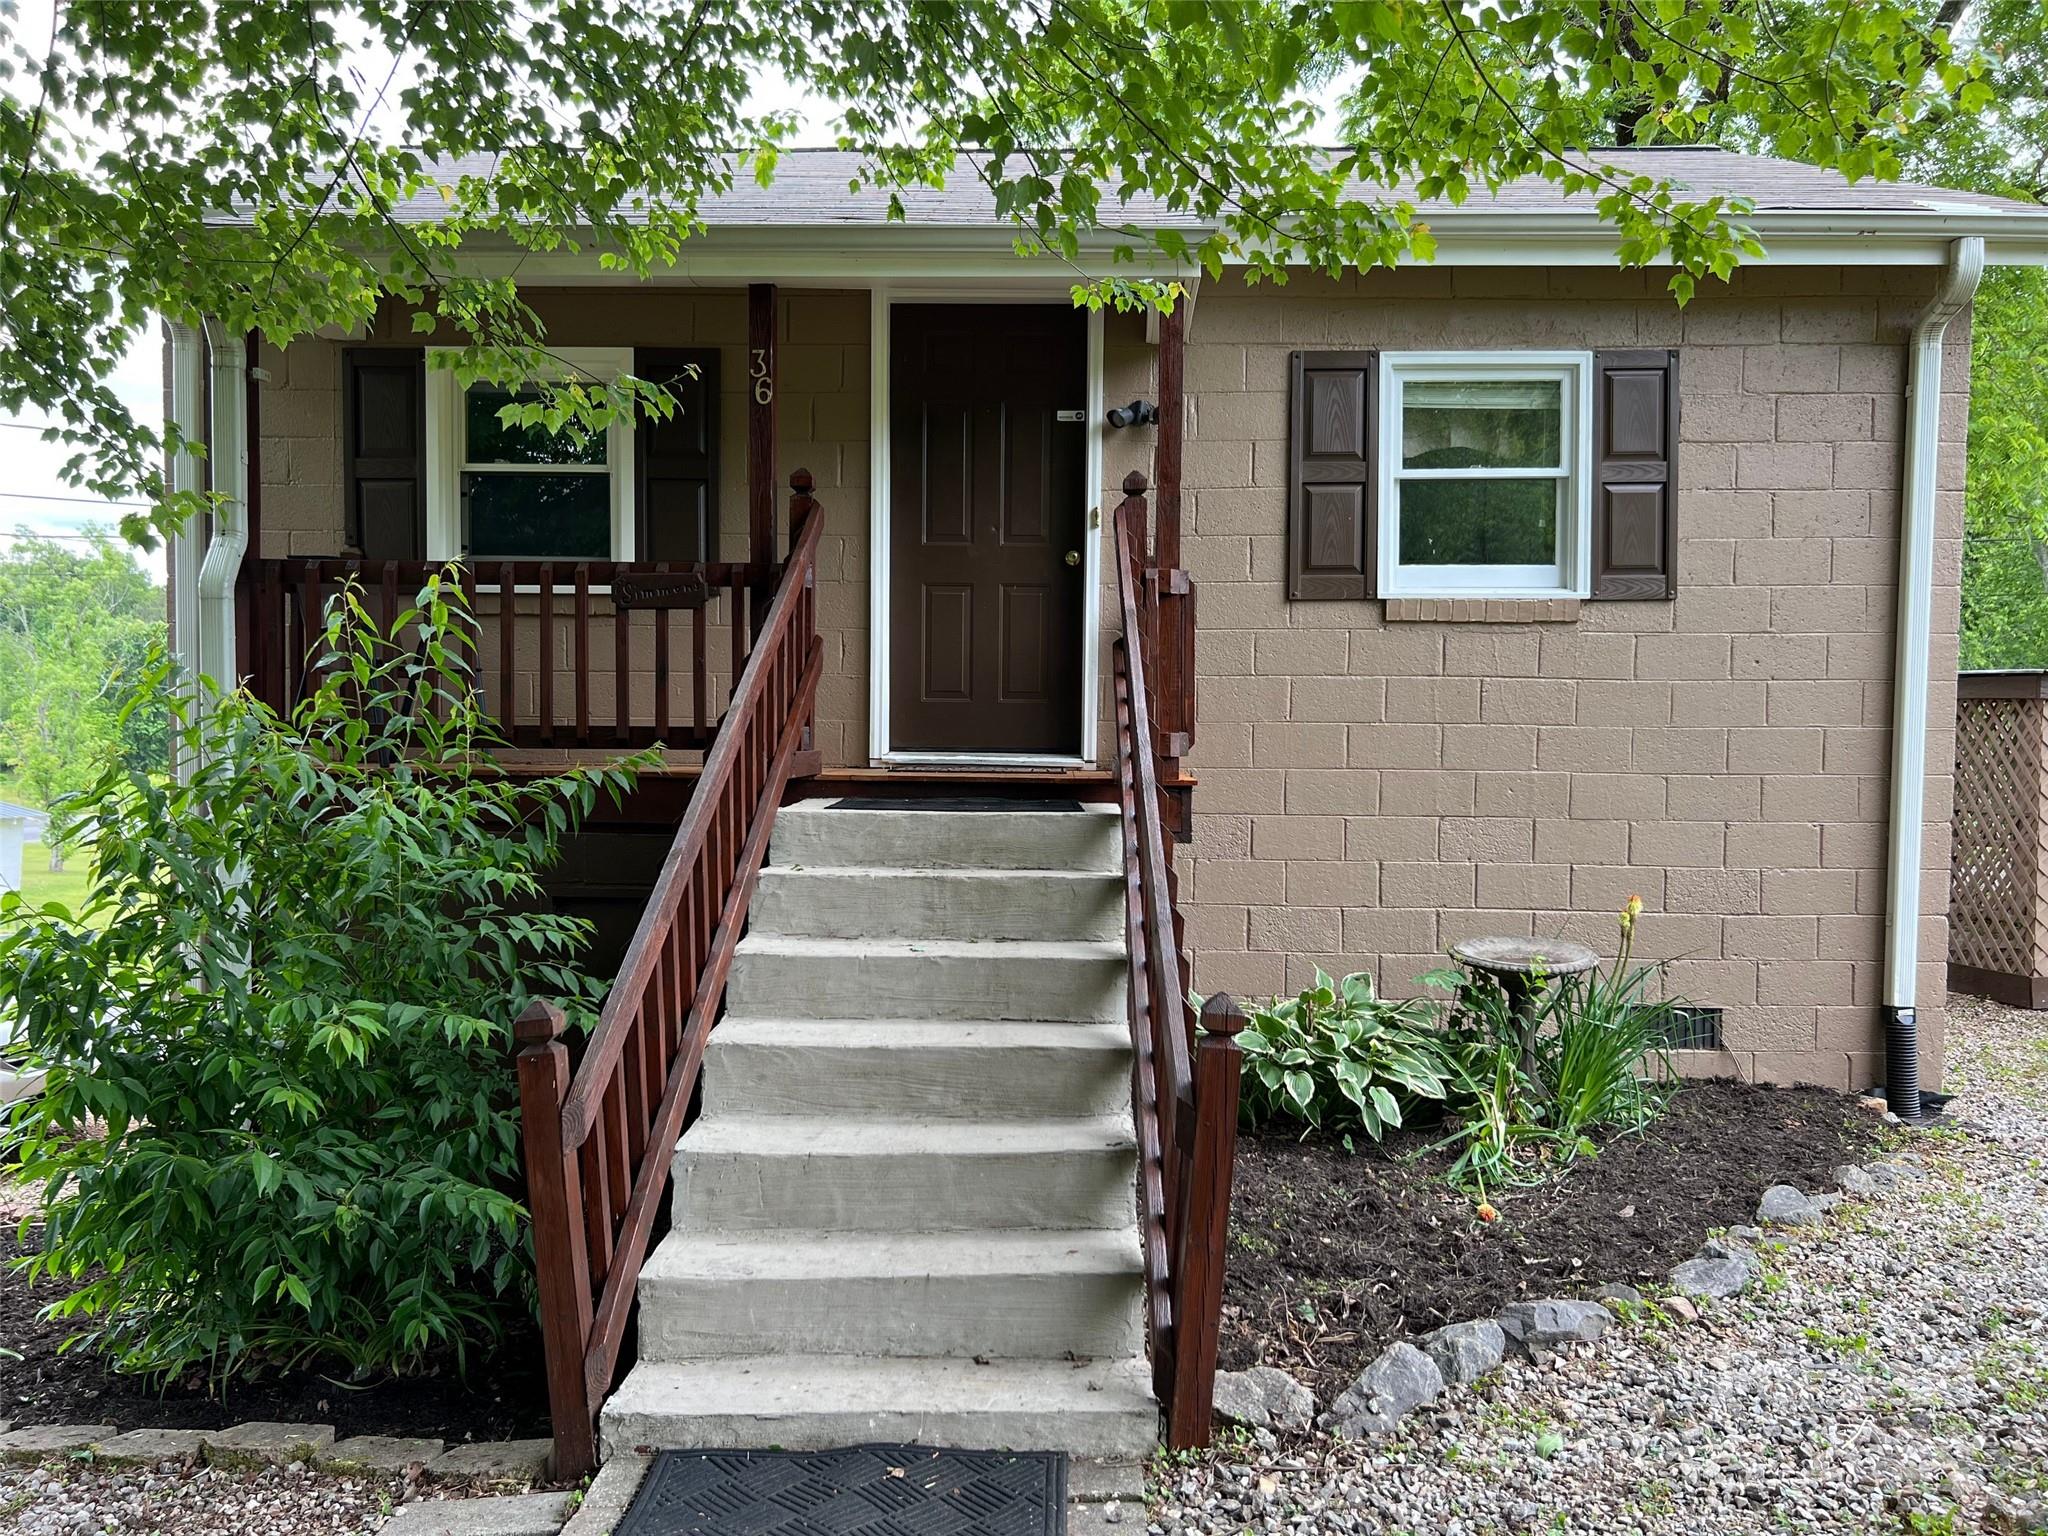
<point>810,197</point>
<point>811,188</point>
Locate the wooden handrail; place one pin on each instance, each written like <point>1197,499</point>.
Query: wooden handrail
<point>598,1145</point>
<point>1184,1084</point>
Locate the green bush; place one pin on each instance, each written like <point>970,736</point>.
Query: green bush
<point>1338,1057</point>
<point>280,1122</point>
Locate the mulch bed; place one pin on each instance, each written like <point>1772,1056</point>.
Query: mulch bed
<point>1334,1255</point>
<point>504,1398</point>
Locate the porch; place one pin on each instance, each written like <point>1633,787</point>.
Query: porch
<point>727,664</point>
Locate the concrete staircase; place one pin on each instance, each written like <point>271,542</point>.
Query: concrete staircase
<point>907,1211</point>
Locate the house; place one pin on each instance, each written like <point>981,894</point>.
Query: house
<point>1472,598</point>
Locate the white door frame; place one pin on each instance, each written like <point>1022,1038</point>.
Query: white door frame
<point>880,614</point>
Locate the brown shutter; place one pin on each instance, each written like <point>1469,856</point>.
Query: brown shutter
<point>1635,460</point>
<point>384,436</point>
<point>1332,500</point>
<point>676,460</point>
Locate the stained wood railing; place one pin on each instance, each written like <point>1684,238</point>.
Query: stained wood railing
<point>598,1143</point>
<point>568,653</point>
<point>1184,1078</point>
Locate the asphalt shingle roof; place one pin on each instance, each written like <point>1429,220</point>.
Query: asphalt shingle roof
<point>810,190</point>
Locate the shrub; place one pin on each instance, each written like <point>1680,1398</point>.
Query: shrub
<point>1338,1057</point>
<point>280,1121</point>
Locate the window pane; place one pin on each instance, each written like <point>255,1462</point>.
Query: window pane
<point>520,516</point>
<point>489,441</point>
<point>1479,522</point>
<point>1482,423</point>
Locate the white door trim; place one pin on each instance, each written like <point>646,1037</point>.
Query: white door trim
<point>879,751</point>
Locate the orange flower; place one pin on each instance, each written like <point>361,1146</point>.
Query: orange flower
<point>1630,913</point>
<point>1487,1212</point>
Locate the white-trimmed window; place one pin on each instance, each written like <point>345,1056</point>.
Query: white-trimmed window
<point>1484,485</point>
<point>522,493</point>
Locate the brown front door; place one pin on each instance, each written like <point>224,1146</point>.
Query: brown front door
<point>988,522</point>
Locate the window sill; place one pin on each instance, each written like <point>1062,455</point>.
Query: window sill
<point>1482,610</point>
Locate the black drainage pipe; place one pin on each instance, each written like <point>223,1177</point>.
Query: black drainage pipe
<point>1902,1063</point>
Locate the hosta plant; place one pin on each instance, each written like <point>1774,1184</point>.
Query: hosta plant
<point>1339,1057</point>
<point>280,1122</point>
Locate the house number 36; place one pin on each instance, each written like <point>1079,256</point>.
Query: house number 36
<point>764,386</point>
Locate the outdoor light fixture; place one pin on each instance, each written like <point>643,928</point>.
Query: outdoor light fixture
<point>1139,413</point>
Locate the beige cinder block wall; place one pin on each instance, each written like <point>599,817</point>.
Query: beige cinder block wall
<point>1372,791</point>
<point>823,362</point>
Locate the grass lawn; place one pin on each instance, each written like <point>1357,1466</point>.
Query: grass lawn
<point>39,884</point>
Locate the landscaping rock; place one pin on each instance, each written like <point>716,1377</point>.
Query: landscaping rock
<point>1464,1352</point>
<point>154,1445</point>
<point>1396,1384</point>
<point>1723,1248</point>
<point>1263,1398</point>
<point>1615,1291</point>
<point>1785,1206</point>
<point>1855,1181</point>
<point>1750,1235</point>
<point>1681,1309</point>
<point>273,1442</point>
<point>380,1453</point>
<point>1537,1327</point>
<point>618,1480</point>
<point>524,1514</point>
<point>54,1439</point>
<point>1715,1277</point>
<point>494,1459</point>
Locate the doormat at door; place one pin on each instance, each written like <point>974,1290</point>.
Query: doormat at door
<point>869,1490</point>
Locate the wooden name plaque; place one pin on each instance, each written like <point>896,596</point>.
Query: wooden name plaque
<point>661,589</point>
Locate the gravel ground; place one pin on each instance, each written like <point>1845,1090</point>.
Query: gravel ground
<point>80,1499</point>
<point>1889,1375</point>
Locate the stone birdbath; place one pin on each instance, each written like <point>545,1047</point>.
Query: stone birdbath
<point>1521,967</point>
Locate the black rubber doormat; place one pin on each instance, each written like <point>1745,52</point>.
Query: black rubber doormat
<point>951,803</point>
<point>868,1490</point>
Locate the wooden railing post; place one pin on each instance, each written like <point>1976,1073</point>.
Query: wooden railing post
<point>1205,1225</point>
<point>555,1199</point>
<point>803,506</point>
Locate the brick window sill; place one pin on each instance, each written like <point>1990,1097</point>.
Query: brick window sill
<point>1482,610</point>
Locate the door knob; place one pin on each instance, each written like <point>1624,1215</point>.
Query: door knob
<point>1073,557</point>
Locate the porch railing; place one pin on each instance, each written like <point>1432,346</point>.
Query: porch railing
<point>598,1143</point>
<point>569,653</point>
<point>1185,1080</point>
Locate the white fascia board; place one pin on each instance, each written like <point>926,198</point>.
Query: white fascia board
<point>853,255</point>
<point>835,255</point>
<point>1920,237</point>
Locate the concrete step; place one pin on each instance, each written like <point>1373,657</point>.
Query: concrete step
<point>811,833</point>
<point>1068,980</point>
<point>1005,1295</point>
<point>916,1068</point>
<point>813,1402</point>
<point>859,902</point>
<point>765,1173</point>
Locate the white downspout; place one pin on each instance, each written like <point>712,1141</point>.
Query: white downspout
<point>228,447</point>
<point>1917,519</point>
<point>188,544</point>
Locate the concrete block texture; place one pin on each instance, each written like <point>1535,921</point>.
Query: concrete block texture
<point>1724,755</point>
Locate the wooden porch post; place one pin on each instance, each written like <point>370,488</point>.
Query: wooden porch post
<point>1205,1229</point>
<point>1174,637</point>
<point>1172,427</point>
<point>761,480</point>
<point>561,1264</point>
